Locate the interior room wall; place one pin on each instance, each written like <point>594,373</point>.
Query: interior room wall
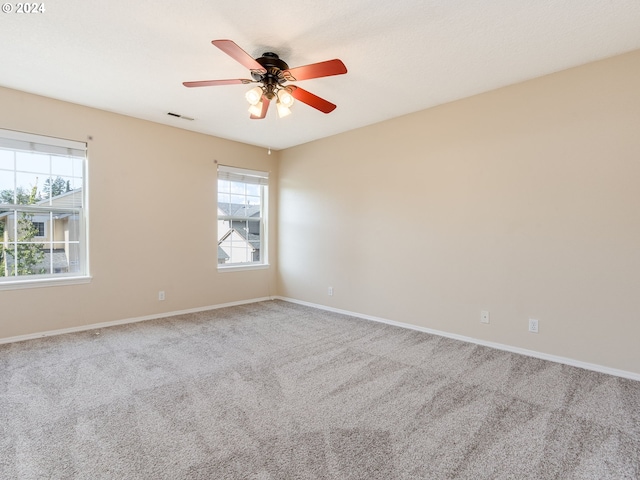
<point>152,224</point>
<point>522,201</point>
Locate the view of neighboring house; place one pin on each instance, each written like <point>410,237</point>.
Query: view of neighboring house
<point>238,233</point>
<point>55,233</point>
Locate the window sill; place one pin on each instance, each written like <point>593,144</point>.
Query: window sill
<point>43,282</point>
<point>237,268</point>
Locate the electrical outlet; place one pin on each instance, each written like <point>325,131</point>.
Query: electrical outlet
<point>533,325</point>
<point>161,295</point>
<point>330,291</point>
<point>484,316</point>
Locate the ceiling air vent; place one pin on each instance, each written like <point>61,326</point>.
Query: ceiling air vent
<point>177,115</point>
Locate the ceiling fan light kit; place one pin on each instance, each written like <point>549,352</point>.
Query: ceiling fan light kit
<point>285,98</point>
<point>254,95</point>
<point>256,110</point>
<point>271,72</point>
<point>283,110</point>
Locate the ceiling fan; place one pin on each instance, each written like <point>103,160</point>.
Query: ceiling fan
<point>271,73</point>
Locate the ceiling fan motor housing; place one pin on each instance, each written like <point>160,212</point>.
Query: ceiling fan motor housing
<point>274,77</point>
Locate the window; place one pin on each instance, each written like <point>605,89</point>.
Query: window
<point>242,210</point>
<point>39,227</point>
<point>42,209</point>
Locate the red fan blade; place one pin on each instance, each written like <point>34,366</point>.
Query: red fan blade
<point>211,83</point>
<point>239,55</point>
<point>311,99</point>
<point>316,70</point>
<point>263,113</point>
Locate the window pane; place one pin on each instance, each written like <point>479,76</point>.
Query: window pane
<point>25,227</point>
<point>224,186</point>
<point>73,256</point>
<point>72,227</point>
<point>25,183</point>
<point>6,186</point>
<point>25,259</point>
<point>237,199</point>
<point>33,162</point>
<point>237,187</point>
<point>6,159</point>
<point>8,219</point>
<point>73,199</point>
<point>253,200</point>
<point>66,166</point>
<point>59,191</point>
<point>55,186</point>
<point>224,227</point>
<point>253,190</point>
<point>238,244</point>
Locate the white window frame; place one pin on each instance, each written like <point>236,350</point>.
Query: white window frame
<point>253,177</point>
<point>28,142</point>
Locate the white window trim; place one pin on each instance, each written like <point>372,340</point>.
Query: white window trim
<point>49,281</point>
<point>242,266</point>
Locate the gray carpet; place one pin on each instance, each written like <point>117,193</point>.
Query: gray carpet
<point>275,390</point>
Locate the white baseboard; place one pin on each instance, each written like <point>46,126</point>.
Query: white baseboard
<point>156,316</point>
<point>522,351</point>
<point>508,348</point>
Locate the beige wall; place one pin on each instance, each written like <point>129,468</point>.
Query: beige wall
<point>152,201</point>
<point>523,201</point>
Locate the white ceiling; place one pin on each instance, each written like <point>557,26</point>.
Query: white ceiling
<point>404,56</point>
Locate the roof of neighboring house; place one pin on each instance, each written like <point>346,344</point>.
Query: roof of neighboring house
<point>251,238</point>
<point>65,200</point>
<point>239,210</point>
<point>222,255</point>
